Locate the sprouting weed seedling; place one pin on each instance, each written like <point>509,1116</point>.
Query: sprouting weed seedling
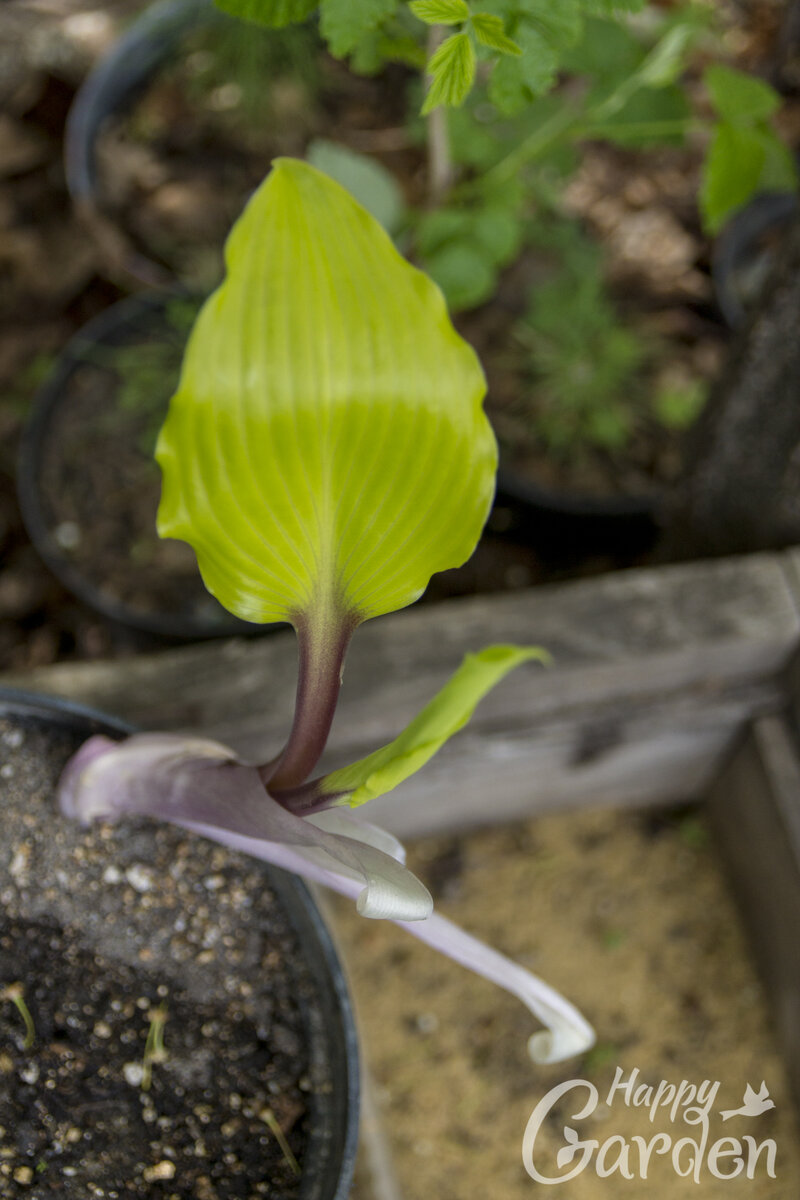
<point>14,993</point>
<point>271,1121</point>
<point>154,1049</point>
<point>325,453</point>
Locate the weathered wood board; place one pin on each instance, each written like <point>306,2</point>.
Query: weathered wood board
<point>654,671</point>
<point>754,807</point>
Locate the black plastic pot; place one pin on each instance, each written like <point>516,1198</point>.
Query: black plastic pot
<point>330,1035</point>
<point>114,83</point>
<point>119,76</point>
<point>747,250</point>
<point>112,86</point>
<point>564,529</point>
<point>85,376</point>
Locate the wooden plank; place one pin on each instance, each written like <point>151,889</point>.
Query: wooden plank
<point>754,806</point>
<point>654,671</point>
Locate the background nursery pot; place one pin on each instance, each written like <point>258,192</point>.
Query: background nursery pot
<point>561,528</point>
<point>116,941</point>
<point>88,485</point>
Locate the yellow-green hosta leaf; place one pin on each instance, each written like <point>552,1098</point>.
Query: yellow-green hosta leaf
<point>326,450</point>
<point>449,711</point>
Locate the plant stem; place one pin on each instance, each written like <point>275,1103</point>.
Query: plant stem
<point>440,162</point>
<point>271,1121</point>
<point>531,147</point>
<point>154,1051</point>
<point>322,649</point>
<point>654,129</point>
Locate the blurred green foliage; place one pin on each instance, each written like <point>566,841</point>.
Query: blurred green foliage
<point>513,138</point>
<point>746,155</point>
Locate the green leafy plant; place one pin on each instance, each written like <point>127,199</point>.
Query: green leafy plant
<point>511,155</point>
<point>326,451</point>
<point>499,138</point>
<point>240,63</point>
<point>524,43</point>
<point>584,365</point>
<point>633,98</point>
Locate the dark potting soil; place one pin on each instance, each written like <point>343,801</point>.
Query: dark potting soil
<point>113,934</point>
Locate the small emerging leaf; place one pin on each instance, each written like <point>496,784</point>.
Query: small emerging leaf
<point>452,68</point>
<point>490,31</point>
<point>275,14</point>
<point>447,713</point>
<point>737,95</point>
<point>440,12</point>
<point>326,450</point>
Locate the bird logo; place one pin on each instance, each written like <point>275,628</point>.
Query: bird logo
<point>753,1104</point>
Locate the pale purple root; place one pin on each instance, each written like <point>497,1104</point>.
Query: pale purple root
<point>199,785</point>
<point>566,1034</point>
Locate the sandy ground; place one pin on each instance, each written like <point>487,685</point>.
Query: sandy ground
<point>630,917</point>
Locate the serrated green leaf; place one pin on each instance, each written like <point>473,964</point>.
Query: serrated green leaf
<point>490,31</point>
<point>731,173</point>
<point>514,82</point>
<point>343,23</point>
<point>326,450</point>
<point>447,713</point>
<point>558,21</point>
<point>738,96</point>
<point>366,179</point>
<point>440,12</point>
<point>275,14</point>
<point>452,69</point>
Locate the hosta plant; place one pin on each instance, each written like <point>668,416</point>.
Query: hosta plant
<point>326,451</point>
